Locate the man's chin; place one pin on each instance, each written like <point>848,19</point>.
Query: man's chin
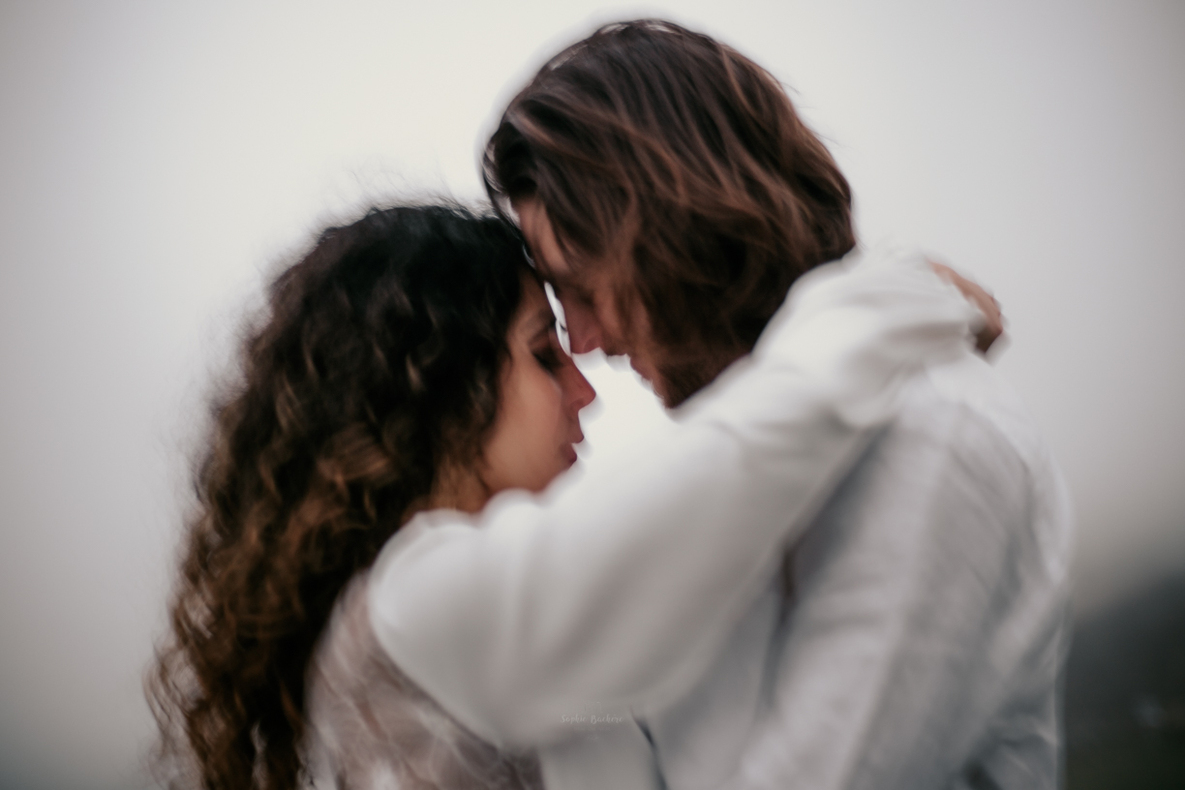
<point>673,384</point>
<point>653,381</point>
<point>678,383</point>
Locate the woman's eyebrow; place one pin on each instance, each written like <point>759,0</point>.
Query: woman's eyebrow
<point>545,322</point>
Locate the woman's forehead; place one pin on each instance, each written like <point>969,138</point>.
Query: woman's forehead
<point>535,313</point>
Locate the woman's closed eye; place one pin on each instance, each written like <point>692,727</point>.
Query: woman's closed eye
<point>548,351</point>
<point>550,356</point>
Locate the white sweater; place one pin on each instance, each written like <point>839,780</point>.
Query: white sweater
<point>921,639</point>
<point>550,621</point>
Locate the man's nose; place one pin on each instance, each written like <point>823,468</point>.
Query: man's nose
<point>584,330</point>
<point>579,392</point>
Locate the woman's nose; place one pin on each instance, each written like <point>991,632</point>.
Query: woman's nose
<point>579,393</point>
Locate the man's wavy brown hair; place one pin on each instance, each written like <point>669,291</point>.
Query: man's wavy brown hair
<point>377,365</point>
<point>675,157</point>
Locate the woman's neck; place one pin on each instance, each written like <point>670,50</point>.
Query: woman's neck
<point>457,489</point>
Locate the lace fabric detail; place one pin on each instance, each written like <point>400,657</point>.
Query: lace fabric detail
<point>371,728</point>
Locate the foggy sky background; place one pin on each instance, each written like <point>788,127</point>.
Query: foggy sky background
<point>158,162</point>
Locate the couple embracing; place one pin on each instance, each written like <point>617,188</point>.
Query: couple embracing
<point>842,565</point>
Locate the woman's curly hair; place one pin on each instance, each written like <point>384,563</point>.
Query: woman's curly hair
<point>377,366</point>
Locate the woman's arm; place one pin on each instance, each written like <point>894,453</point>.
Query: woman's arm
<point>617,590</point>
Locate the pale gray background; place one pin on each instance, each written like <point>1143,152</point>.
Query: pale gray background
<point>158,159</point>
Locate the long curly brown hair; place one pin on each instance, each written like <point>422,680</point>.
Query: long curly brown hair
<point>376,366</point>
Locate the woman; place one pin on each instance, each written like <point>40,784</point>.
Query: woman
<point>408,362</point>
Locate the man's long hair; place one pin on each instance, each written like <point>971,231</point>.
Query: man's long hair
<point>377,364</point>
<point>677,159</point>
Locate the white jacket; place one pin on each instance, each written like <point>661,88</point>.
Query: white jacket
<point>553,620</point>
<point>922,637</point>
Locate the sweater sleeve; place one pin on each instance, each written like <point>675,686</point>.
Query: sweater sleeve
<point>616,590</point>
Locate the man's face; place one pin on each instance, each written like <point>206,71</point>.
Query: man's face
<point>590,301</point>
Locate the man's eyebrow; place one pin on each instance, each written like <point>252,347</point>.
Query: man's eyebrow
<point>563,280</point>
<point>543,270</point>
<point>539,264</point>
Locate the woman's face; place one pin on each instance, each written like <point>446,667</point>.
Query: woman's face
<point>541,397</point>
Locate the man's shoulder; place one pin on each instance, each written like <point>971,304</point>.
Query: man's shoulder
<point>958,489</point>
<point>968,391</point>
<point>983,440</point>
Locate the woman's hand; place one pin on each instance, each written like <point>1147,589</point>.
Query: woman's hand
<point>993,319</point>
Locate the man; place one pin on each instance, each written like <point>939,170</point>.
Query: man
<point>668,191</point>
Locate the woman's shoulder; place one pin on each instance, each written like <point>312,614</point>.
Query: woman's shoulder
<point>368,723</point>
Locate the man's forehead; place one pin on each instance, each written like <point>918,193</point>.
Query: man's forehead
<point>551,274</point>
